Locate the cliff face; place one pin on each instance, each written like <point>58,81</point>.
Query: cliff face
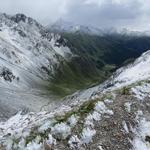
<point>111,116</point>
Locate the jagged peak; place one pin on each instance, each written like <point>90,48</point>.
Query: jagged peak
<point>19,17</point>
<point>25,19</point>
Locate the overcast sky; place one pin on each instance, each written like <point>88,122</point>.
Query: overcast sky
<point>133,14</point>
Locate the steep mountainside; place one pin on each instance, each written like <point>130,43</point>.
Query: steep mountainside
<point>26,45</point>
<point>121,103</point>
<point>29,58</point>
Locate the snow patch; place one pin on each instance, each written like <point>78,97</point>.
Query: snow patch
<point>140,142</point>
<point>73,120</point>
<point>61,129</point>
<point>51,140</point>
<point>74,142</point>
<point>95,116</point>
<point>142,91</point>
<point>128,106</point>
<point>101,108</point>
<point>87,135</point>
<point>137,71</point>
<point>45,126</point>
<point>125,126</point>
<point>34,146</point>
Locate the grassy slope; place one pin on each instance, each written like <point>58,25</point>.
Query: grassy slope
<point>98,58</point>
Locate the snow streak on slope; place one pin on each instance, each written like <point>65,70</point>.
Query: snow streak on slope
<point>140,70</point>
<point>137,71</point>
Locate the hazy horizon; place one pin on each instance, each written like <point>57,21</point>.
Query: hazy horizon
<point>118,14</point>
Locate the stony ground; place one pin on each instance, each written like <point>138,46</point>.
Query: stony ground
<point>115,132</point>
<point>108,121</point>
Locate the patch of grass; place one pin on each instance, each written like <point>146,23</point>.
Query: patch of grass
<point>147,81</point>
<point>34,133</point>
<point>125,91</point>
<point>73,76</point>
<point>108,96</point>
<point>84,109</point>
<point>64,118</point>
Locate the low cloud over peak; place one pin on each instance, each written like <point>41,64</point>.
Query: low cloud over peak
<point>133,14</point>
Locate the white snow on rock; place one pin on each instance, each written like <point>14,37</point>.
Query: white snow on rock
<point>51,140</point>
<point>45,126</point>
<point>108,101</point>
<point>125,127</point>
<point>74,142</point>
<point>137,71</point>
<point>87,135</point>
<point>60,49</point>
<point>101,108</point>
<point>128,106</point>
<point>95,116</point>
<point>143,130</point>
<point>142,91</point>
<point>73,120</point>
<point>34,146</point>
<point>100,148</point>
<point>61,129</point>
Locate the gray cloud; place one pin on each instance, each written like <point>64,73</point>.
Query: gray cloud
<point>108,14</point>
<point>132,14</point>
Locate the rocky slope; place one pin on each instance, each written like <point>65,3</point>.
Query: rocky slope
<point>112,116</point>
<point>27,45</point>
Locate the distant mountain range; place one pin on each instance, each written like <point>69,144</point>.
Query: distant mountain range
<point>65,26</point>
